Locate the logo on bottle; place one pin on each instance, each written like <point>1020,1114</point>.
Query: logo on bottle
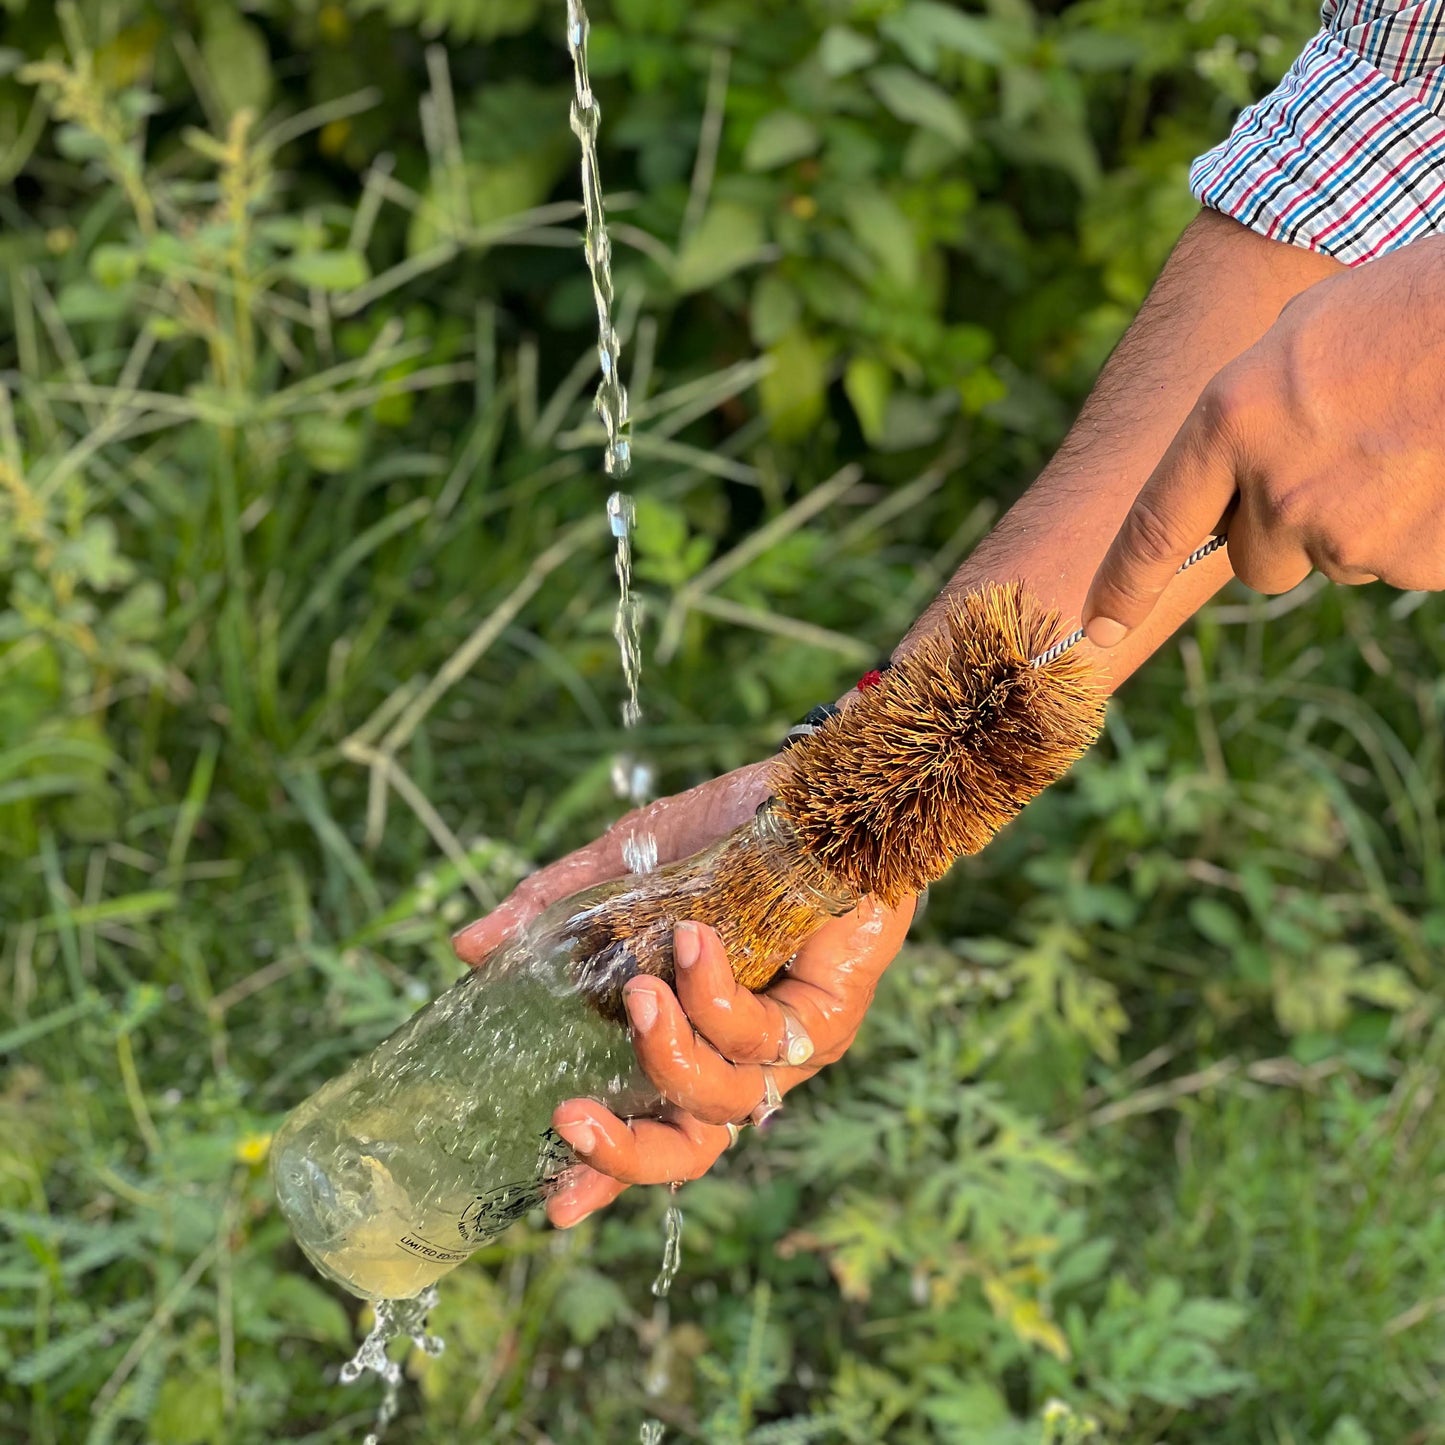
<point>490,1213</point>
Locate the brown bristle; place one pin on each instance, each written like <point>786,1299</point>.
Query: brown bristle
<point>957,736</point>
<point>928,764</point>
<point>754,887</point>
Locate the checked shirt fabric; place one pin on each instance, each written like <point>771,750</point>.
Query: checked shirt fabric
<point>1347,155</point>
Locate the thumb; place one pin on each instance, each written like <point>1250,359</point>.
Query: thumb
<point>1176,509</point>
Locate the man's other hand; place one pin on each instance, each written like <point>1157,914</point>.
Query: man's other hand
<point>1321,446</point>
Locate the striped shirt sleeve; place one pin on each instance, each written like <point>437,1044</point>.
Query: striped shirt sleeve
<point>1347,155</point>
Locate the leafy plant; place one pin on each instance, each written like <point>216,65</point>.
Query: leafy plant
<point>305,656</point>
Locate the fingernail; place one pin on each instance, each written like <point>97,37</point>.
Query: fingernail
<point>580,1135</point>
<point>800,1049</point>
<point>1105,632</point>
<point>641,1008</point>
<point>686,945</point>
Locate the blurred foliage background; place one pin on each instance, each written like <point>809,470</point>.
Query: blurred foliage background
<point>306,655</point>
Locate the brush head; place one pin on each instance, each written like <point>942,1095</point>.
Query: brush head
<point>753,886</point>
<point>952,742</point>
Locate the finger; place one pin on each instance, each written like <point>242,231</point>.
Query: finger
<point>639,1151</point>
<point>813,1010</point>
<point>835,973</point>
<point>582,1191</point>
<point>1266,549</point>
<point>1176,509</point>
<point>684,1068</point>
<point>744,1027</point>
<point>589,865</point>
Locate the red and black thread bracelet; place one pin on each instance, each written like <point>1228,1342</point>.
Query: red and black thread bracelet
<point>817,716</point>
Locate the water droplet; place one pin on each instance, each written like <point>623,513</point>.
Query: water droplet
<point>621,512</point>
<point>671,1248</point>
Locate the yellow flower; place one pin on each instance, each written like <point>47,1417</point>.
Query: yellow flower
<point>253,1149</point>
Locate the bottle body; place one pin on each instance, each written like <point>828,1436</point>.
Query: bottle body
<point>394,1172</point>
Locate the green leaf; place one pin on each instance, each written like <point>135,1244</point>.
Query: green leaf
<point>188,1410</point>
<point>302,1307</point>
<point>868,384</point>
<point>113,265</point>
<point>51,1359</point>
<point>924,28</point>
<point>779,139</point>
<point>1315,998</point>
<point>776,309</point>
<point>237,60</point>
<point>138,615</point>
<point>1216,920</point>
<point>1385,986</point>
<point>589,1302</point>
<point>727,239</point>
<point>83,301</point>
<point>1099,49</point>
<point>661,529</point>
<point>329,270</point>
<point>794,391</point>
<point>841,51</point>
<point>920,102</point>
<point>77,144</point>
<point>95,555</point>
<point>13,1039</point>
<point>1347,1430</point>
<point>885,233</point>
<point>329,444</point>
<point>481,195</point>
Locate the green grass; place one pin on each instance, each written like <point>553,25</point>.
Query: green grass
<point>306,657</point>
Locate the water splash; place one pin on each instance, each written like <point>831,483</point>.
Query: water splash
<point>395,1319</point>
<point>671,1248</point>
<point>651,1433</point>
<point>639,852</point>
<point>631,778</point>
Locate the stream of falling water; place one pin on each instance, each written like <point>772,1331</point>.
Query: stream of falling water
<point>631,777</point>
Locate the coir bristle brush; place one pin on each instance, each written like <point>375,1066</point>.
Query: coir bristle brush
<point>928,764</point>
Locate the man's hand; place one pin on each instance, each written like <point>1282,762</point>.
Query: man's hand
<point>1321,446</point>
<point>705,1046</point>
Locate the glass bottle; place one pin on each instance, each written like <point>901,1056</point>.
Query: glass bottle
<point>391,1174</point>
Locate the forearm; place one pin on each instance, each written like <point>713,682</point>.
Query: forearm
<point>1221,289</point>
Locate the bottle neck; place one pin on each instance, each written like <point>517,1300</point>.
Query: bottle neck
<point>780,846</point>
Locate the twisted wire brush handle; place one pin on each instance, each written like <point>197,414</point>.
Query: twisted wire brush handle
<point>1065,643</point>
